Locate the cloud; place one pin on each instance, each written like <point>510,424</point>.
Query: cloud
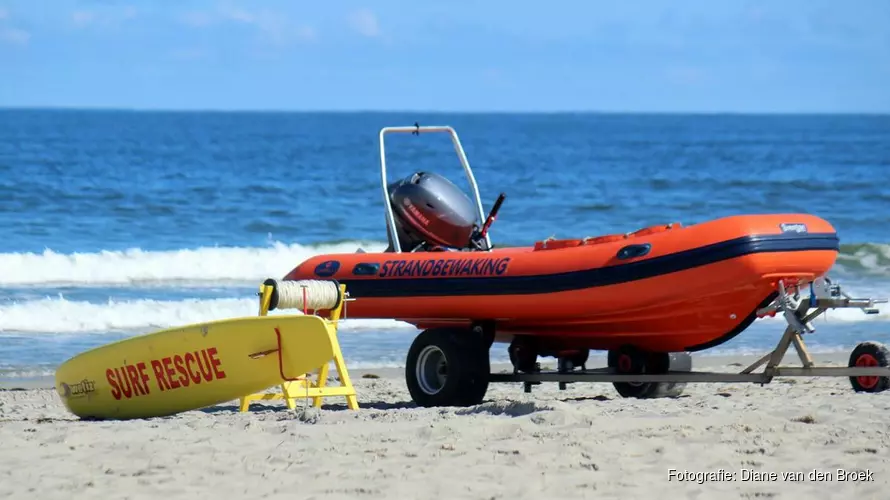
<point>10,34</point>
<point>188,54</point>
<point>82,17</point>
<point>240,15</point>
<point>306,33</point>
<point>273,27</point>
<point>364,22</point>
<point>493,76</point>
<point>196,19</point>
<point>15,36</point>
<point>111,16</point>
<point>686,75</point>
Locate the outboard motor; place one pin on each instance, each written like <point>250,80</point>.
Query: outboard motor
<point>430,211</point>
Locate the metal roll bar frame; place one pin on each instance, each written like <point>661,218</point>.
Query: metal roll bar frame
<point>458,148</point>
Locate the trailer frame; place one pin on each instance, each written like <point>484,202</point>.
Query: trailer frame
<point>798,313</point>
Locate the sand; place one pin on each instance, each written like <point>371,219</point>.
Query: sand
<point>584,442</point>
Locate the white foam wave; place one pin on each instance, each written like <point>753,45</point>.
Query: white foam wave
<point>869,259</point>
<point>25,374</point>
<point>59,315</point>
<point>212,265</point>
<point>134,266</point>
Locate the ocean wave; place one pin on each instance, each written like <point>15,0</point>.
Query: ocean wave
<point>205,266</point>
<point>871,259</point>
<point>58,315</point>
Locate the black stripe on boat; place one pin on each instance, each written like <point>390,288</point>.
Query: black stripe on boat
<point>589,278</point>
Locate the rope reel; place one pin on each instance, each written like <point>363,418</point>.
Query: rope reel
<point>290,294</point>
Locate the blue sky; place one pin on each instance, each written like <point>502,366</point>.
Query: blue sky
<point>642,55</point>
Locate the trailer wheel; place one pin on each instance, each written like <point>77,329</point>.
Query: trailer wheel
<point>523,355</point>
<point>625,360</point>
<point>447,367</point>
<point>676,362</point>
<point>870,354</point>
<point>578,358</point>
<point>628,359</point>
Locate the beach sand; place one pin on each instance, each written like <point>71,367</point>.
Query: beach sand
<point>584,442</point>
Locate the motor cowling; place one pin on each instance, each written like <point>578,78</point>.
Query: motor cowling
<point>431,211</point>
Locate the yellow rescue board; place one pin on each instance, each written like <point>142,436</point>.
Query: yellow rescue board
<point>191,367</point>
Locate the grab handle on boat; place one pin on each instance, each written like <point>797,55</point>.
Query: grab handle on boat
<point>633,251</point>
<point>492,215</point>
<point>479,237</point>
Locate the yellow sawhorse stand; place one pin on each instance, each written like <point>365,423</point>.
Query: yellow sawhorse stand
<point>302,387</point>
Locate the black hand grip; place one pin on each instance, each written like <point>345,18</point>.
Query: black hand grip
<point>497,206</point>
<point>492,215</point>
<point>634,251</point>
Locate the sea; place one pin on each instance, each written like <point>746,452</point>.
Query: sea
<point>119,223</point>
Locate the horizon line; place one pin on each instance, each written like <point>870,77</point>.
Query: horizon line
<point>436,111</point>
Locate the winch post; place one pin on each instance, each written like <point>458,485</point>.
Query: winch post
<point>302,387</point>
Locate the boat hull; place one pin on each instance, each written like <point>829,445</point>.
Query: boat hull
<point>663,288</point>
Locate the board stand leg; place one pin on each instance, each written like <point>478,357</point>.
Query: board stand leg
<point>303,387</point>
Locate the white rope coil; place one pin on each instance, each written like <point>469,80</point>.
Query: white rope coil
<point>320,294</point>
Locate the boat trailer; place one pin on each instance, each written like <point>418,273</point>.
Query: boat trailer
<point>868,367</point>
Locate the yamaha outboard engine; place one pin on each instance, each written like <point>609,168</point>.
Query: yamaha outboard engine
<point>430,211</point>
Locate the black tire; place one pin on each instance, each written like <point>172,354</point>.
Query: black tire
<point>477,349</point>
<point>628,359</point>
<point>523,355</point>
<point>447,367</point>
<point>579,358</point>
<point>869,354</point>
<point>676,362</point>
<point>625,360</point>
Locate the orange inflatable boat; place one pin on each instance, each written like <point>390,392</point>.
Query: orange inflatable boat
<point>661,289</point>
<point>668,288</point>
